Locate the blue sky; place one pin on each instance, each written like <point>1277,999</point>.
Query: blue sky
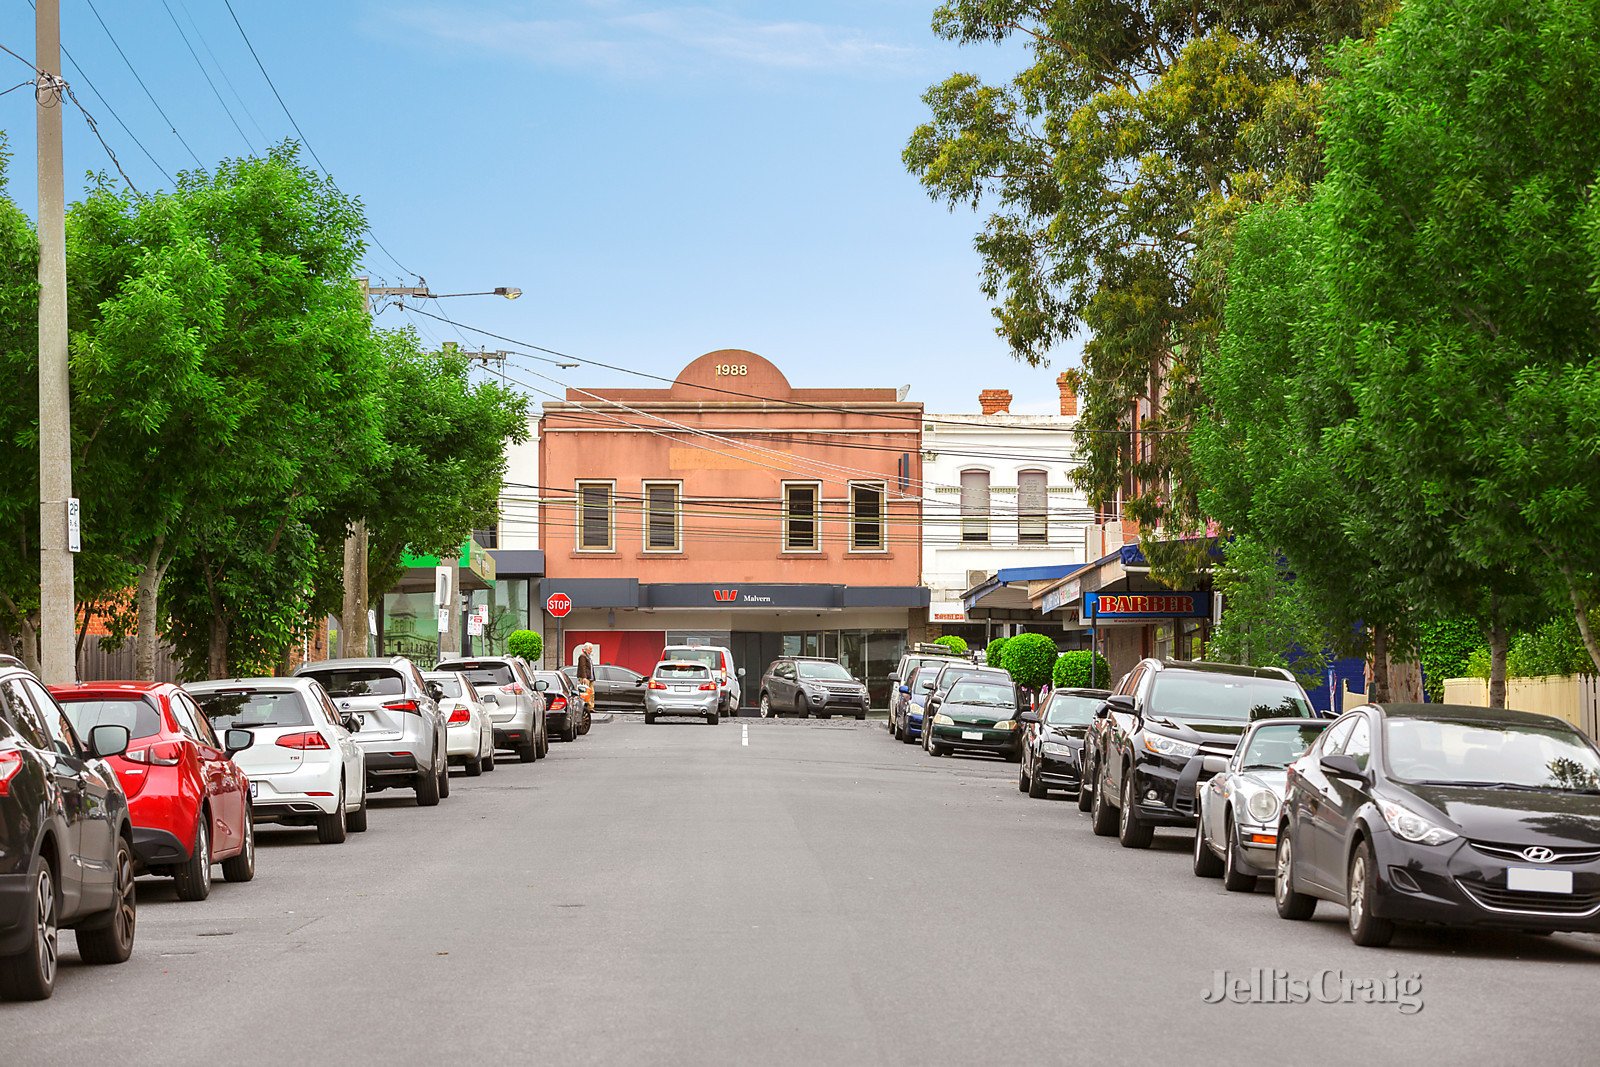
<point>660,179</point>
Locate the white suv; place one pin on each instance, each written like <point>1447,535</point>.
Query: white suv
<point>720,661</point>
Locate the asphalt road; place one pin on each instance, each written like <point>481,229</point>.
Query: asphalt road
<point>820,894</point>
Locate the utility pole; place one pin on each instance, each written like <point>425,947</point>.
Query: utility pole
<point>57,601</point>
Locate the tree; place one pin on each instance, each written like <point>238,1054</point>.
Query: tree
<point>1081,669</point>
<point>1266,621</point>
<point>1029,658</point>
<point>994,652</point>
<point>527,644</point>
<point>19,426</point>
<point>953,643</point>
<point>1114,166</point>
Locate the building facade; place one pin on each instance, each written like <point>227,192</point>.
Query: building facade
<point>999,512</point>
<point>732,508</point>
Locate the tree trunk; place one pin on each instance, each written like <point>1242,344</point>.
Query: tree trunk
<point>353,619</point>
<point>1378,684</point>
<point>1499,641</point>
<point>30,644</point>
<point>1580,610</point>
<point>145,605</point>
<point>217,648</point>
<point>1405,680</point>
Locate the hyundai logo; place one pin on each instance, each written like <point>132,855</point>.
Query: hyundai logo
<point>1538,854</point>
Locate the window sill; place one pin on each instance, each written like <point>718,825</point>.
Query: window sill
<point>869,553</point>
<point>803,553</point>
<point>595,553</point>
<point>659,553</point>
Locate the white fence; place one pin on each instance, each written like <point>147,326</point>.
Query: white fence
<point>1575,698</point>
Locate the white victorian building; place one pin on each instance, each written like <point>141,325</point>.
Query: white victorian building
<point>1000,513</point>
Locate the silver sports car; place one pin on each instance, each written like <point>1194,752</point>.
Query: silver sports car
<point>1238,833</point>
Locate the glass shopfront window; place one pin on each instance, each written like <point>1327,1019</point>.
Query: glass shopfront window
<point>410,627</point>
<point>507,602</point>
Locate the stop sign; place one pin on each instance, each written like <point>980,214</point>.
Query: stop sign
<point>559,605</point>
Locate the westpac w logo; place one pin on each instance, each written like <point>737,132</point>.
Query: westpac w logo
<point>725,594</point>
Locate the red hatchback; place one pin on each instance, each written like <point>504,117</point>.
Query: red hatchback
<point>174,769</point>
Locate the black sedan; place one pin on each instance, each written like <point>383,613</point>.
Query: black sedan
<point>1444,814</point>
<point>1052,744</point>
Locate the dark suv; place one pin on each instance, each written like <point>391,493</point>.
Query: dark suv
<point>1168,727</point>
<point>66,842</point>
<point>803,685</point>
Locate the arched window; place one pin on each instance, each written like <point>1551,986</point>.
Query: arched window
<point>1033,507</point>
<point>975,506</point>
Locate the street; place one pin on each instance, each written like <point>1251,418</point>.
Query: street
<point>671,893</point>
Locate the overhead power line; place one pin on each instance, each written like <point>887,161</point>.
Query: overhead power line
<point>159,110</point>
<point>223,70</point>
<point>207,76</point>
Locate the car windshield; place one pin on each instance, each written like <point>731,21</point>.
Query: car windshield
<point>682,672</point>
<point>709,656</point>
<point>922,681</point>
<point>1227,696</point>
<point>359,682</point>
<point>245,708</point>
<point>1071,709</point>
<point>1514,755</point>
<point>139,716</point>
<point>984,693</point>
<point>821,672</point>
<point>483,675</point>
<point>447,682</point>
<point>1279,746</point>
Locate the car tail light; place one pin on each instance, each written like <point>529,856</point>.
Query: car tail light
<point>514,689</point>
<point>400,705</point>
<point>557,704</point>
<point>656,685</point>
<point>309,739</point>
<point>161,754</point>
<point>460,716</point>
<point>707,687</point>
<point>10,764</point>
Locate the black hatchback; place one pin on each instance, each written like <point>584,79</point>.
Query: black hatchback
<point>66,842</point>
<point>1444,814</point>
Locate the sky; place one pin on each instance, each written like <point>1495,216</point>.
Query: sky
<point>660,179</point>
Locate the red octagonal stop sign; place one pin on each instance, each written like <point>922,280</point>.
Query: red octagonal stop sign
<point>559,605</point>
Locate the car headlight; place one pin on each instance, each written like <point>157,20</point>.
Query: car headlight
<point>1006,724</point>
<point>1413,827</point>
<point>1170,746</point>
<point>941,719</point>
<point>1262,806</point>
<point>1056,748</point>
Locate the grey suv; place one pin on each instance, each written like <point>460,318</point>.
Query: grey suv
<point>804,685</point>
<point>397,721</point>
<point>515,700</point>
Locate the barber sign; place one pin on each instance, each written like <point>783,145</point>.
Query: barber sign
<point>1110,607</point>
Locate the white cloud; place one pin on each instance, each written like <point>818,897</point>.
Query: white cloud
<point>626,39</point>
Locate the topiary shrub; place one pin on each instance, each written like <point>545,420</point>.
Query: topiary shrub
<point>995,649</point>
<point>1072,671</point>
<point>953,643</point>
<point>527,644</point>
<point>1030,658</point>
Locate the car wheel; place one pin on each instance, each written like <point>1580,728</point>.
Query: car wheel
<point>544,742</point>
<point>713,719</point>
<point>1132,831</point>
<point>31,973</point>
<point>905,734</point>
<point>473,767</point>
<point>570,733</point>
<point>1291,905</point>
<point>192,878</point>
<point>861,716</point>
<point>1085,789</point>
<point>1036,788</point>
<point>110,939</point>
<point>1206,863</point>
<point>242,868</point>
<point>427,789</point>
<point>529,750</point>
<point>1022,777</point>
<point>333,829</point>
<point>649,718</point>
<point>1366,929</point>
<point>766,706</point>
<point>488,760</point>
<point>444,778</point>
<point>1233,878</point>
<point>356,821</point>
<point>1103,819</point>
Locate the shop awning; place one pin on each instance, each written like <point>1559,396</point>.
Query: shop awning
<point>1008,587</point>
<point>1125,569</point>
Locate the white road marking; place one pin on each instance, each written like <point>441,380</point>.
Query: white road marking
<point>745,735</point>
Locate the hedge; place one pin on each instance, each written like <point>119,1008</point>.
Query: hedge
<point>527,644</point>
<point>1072,671</point>
<point>996,649</point>
<point>953,643</point>
<point>1029,658</point>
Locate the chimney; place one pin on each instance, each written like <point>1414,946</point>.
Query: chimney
<point>995,401</point>
<point>1069,395</point>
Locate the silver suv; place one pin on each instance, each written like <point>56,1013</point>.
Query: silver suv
<point>397,721</point>
<point>514,698</point>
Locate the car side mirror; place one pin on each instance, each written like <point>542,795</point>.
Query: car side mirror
<point>436,691</point>
<point>905,689</point>
<point>1120,703</point>
<point>1029,716</point>
<point>237,740</point>
<point>540,685</point>
<point>349,721</point>
<point>108,740</point>
<point>739,672</point>
<point>637,682</point>
<point>1342,766</point>
<point>490,698</point>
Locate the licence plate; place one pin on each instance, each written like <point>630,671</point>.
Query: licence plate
<point>972,735</point>
<point>680,689</point>
<point>1534,880</point>
<point>253,785</point>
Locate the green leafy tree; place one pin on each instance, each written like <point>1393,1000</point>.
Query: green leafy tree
<point>19,426</point>
<point>953,643</point>
<point>1081,669</point>
<point>1029,658</point>
<point>525,643</point>
<point>994,651</point>
<point>1266,621</point>
<point>1446,646</point>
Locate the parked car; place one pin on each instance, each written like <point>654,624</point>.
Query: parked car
<point>188,799</point>
<point>66,839</point>
<point>919,656</point>
<point>564,709</point>
<point>949,674</point>
<point>1444,814</point>
<point>1052,742</point>
<point>515,699</point>
<point>682,689</point>
<point>469,735</point>
<point>979,714</point>
<point>1237,839</point>
<point>730,686</point>
<point>397,722</point>
<point>1166,729</point>
<point>807,685</point>
<point>914,696</point>
<point>305,768</point>
<point>615,687</point>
